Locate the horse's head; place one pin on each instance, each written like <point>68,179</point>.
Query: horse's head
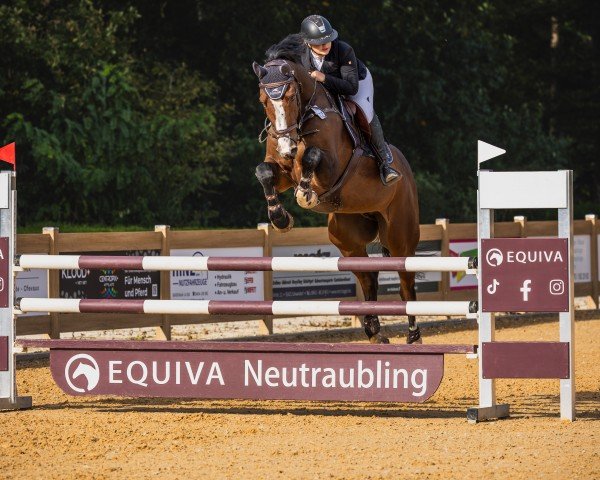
<point>280,96</point>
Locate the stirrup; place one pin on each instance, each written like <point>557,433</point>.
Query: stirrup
<point>388,175</point>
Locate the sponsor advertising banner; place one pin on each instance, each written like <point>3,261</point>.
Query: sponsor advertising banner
<point>193,285</point>
<point>31,284</point>
<point>117,284</point>
<point>307,285</point>
<point>368,376</point>
<point>389,282</point>
<point>525,275</point>
<point>463,248</point>
<point>582,258</point>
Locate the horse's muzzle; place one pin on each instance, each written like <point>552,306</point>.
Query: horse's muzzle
<point>287,148</point>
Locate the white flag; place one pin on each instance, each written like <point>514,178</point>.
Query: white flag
<point>485,151</point>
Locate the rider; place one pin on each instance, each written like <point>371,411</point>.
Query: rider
<point>333,62</point>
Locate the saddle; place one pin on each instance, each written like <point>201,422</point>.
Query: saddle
<point>357,117</point>
<point>357,124</point>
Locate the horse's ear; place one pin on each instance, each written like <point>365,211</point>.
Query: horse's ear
<point>259,70</point>
<point>285,69</point>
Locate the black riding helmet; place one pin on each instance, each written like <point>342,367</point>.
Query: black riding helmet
<point>317,30</point>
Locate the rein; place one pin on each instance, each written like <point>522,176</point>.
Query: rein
<point>275,91</point>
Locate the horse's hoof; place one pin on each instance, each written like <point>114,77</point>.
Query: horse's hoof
<point>379,338</point>
<point>306,198</point>
<point>288,227</point>
<point>414,336</point>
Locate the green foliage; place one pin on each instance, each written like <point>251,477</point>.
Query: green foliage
<point>139,112</point>
<point>107,150</point>
<point>106,138</point>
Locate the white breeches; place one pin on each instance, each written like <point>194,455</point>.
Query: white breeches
<point>364,96</point>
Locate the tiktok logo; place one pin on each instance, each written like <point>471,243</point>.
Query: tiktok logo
<point>492,287</point>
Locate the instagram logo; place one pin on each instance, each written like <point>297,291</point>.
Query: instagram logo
<point>557,287</point>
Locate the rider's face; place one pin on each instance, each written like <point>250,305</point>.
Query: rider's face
<point>321,50</point>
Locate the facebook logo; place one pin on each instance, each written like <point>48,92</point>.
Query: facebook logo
<point>525,289</point>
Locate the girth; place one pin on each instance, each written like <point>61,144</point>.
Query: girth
<point>331,200</point>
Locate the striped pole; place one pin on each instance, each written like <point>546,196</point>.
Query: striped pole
<point>217,307</point>
<point>275,264</point>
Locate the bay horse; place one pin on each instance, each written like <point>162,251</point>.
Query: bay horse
<point>310,149</point>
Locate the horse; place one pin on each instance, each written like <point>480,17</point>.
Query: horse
<point>310,149</point>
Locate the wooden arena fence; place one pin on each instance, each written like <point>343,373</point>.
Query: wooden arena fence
<point>164,239</point>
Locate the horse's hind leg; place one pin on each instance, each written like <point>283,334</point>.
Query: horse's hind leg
<point>401,239</point>
<point>351,233</point>
<point>278,215</point>
<point>408,293</point>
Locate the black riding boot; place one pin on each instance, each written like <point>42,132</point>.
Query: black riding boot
<point>383,153</point>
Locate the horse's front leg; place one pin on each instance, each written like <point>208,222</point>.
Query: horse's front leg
<point>408,294</point>
<point>305,195</point>
<point>279,217</point>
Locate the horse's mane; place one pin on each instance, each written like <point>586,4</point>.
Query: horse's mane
<point>290,48</point>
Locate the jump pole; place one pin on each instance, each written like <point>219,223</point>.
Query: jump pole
<point>217,307</point>
<point>273,264</point>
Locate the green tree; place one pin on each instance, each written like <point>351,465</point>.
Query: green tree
<point>102,136</point>
<point>136,111</point>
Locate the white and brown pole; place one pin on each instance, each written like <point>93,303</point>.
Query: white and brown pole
<point>219,307</point>
<point>275,264</point>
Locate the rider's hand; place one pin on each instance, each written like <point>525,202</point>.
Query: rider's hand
<point>319,76</point>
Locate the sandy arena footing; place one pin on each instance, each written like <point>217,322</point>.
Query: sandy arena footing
<point>68,437</point>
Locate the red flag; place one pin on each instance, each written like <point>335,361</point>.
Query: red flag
<point>7,154</point>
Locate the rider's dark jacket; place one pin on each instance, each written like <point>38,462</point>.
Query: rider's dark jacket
<point>341,68</point>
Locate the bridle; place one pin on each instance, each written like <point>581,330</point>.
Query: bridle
<point>276,91</point>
